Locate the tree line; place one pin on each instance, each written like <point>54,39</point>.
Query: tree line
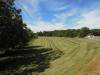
<point>13,31</point>
<point>71,32</point>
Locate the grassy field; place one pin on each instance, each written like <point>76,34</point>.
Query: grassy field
<point>80,56</point>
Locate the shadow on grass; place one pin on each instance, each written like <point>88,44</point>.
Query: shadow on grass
<point>25,60</point>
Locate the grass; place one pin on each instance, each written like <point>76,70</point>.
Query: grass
<point>25,60</point>
<point>53,56</point>
<point>78,54</point>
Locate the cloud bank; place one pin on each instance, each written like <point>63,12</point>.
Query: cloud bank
<point>48,15</point>
<point>90,19</point>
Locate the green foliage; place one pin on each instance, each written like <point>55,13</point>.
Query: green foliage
<point>96,32</point>
<point>71,32</point>
<point>13,32</point>
<point>84,32</point>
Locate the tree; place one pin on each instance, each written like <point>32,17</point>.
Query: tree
<point>84,31</point>
<point>13,32</point>
<point>95,32</point>
<point>71,32</point>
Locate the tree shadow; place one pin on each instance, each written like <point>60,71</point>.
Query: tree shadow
<point>26,60</point>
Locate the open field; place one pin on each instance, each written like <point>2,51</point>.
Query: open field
<point>80,56</point>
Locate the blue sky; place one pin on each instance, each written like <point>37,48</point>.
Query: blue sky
<point>47,15</point>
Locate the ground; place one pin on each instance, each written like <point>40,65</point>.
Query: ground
<point>80,56</point>
<point>53,56</point>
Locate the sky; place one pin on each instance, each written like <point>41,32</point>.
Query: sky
<point>48,15</point>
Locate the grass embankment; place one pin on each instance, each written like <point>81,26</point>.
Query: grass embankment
<point>79,58</point>
<point>27,60</point>
<point>53,56</point>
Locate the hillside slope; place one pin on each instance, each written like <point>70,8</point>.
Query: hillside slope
<point>80,56</point>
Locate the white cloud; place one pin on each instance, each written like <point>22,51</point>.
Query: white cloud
<point>90,19</point>
<point>29,8</point>
<point>54,5</point>
<point>41,25</point>
<point>63,17</point>
<point>45,26</point>
<point>56,24</point>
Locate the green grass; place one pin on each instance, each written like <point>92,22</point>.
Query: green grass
<point>52,56</point>
<point>77,54</point>
<point>26,60</point>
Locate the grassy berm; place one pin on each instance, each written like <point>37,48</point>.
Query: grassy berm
<point>53,56</point>
<point>80,56</point>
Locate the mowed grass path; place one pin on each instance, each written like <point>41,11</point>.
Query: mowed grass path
<point>79,55</point>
